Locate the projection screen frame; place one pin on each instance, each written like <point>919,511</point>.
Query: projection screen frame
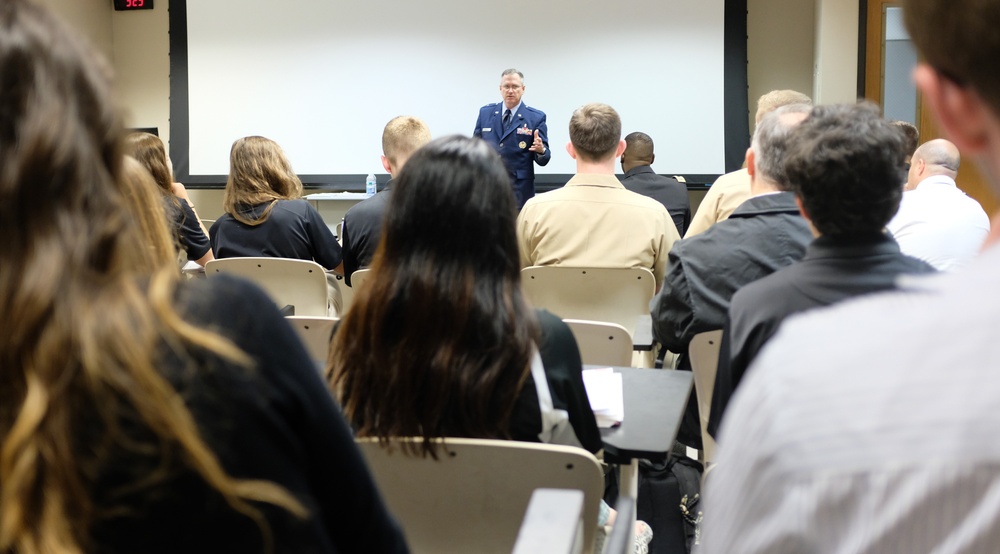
<point>736,109</point>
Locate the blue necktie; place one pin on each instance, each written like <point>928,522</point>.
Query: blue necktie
<point>506,119</point>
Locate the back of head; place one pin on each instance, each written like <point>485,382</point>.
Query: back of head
<point>638,150</point>
<point>844,164</point>
<point>259,173</point>
<point>959,38</point>
<point>145,203</point>
<point>449,256</point>
<point>402,136</point>
<point>84,302</point>
<point>911,136</point>
<point>59,149</point>
<point>148,150</point>
<point>939,156</point>
<point>770,143</point>
<point>778,98</point>
<point>595,131</point>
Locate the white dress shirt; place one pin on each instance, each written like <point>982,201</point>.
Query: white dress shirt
<point>940,224</point>
<point>869,427</point>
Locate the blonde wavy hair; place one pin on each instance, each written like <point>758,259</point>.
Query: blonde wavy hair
<point>259,173</point>
<point>145,204</point>
<point>86,303</point>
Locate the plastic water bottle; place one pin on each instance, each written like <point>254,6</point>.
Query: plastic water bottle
<point>370,185</point>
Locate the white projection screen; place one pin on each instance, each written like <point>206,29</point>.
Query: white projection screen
<point>322,77</point>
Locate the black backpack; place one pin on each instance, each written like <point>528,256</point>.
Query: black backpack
<point>669,501</point>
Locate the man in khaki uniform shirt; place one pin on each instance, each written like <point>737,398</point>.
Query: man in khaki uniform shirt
<point>594,221</point>
<point>732,189</point>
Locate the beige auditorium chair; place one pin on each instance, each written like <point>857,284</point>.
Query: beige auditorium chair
<point>359,278</point>
<point>315,333</point>
<point>615,295</point>
<point>602,343</point>
<point>704,353</point>
<point>300,284</point>
<point>473,497</point>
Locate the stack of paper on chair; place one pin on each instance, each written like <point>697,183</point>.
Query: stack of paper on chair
<point>604,389</point>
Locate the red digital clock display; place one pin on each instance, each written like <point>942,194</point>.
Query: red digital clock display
<point>122,5</point>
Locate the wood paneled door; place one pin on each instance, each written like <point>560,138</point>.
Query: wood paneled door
<point>889,61</point>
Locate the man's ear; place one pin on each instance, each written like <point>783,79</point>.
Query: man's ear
<point>652,158</point>
<point>961,113</point>
<point>572,151</point>
<point>802,209</point>
<point>385,165</point>
<point>621,148</point>
<point>749,162</point>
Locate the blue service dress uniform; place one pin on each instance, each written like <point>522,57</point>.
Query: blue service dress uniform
<point>513,143</point>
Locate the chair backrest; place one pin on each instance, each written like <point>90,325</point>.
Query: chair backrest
<point>473,497</point>
<point>616,295</point>
<point>704,353</point>
<point>359,278</point>
<point>346,295</point>
<point>315,333</point>
<point>602,343</point>
<point>298,283</point>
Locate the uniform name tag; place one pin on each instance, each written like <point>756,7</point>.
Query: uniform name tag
<point>487,129</point>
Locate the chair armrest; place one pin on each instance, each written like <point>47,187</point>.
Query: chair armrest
<point>552,523</point>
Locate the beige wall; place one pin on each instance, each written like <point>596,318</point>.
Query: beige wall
<point>806,45</point>
<point>836,76</point>
<point>90,17</point>
<point>142,64</point>
<point>781,39</point>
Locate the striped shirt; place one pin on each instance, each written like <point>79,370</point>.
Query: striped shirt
<point>869,427</point>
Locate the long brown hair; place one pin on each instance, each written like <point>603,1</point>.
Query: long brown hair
<point>148,149</point>
<point>145,204</point>
<point>440,344</point>
<point>259,173</point>
<point>82,313</point>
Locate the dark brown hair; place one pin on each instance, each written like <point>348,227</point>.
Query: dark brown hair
<point>844,162</point>
<point>440,344</point>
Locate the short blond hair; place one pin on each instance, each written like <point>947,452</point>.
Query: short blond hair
<point>778,98</point>
<point>402,136</point>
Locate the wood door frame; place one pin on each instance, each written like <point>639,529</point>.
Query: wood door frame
<point>871,66</point>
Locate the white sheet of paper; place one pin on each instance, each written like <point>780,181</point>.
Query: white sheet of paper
<point>605,391</point>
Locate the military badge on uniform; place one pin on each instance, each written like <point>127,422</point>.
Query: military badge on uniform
<point>522,145</point>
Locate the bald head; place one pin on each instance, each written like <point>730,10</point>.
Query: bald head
<point>638,151</point>
<point>934,157</point>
